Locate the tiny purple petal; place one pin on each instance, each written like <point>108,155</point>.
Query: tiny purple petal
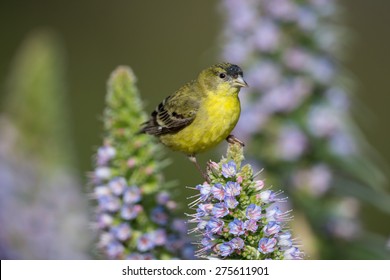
<point>285,235</point>
<point>159,236</point>
<point>229,169</point>
<point>130,212</point>
<point>231,202</point>
<point>180,226</point>
<point>104,220</point>
<point>105,239</point>
<point>207,243</point>
<point>284,242</point>
<point>109,203</point>
<point>272,228</point>
<point>236,227</point>
<point>117,185</point>
<point>102,173</point>
<point>105,154</point>
<point>214,225</point>
<point>267,245</point>
<point>274,214</point>
<point>202,225</point>
<point>132,195</point>
<point>205,191</point>
<point>220,210</point>
<point>292,253</point>
<point>204,210</point>
<point>122,232</point>
<point>114,249</point>
<point>145,242</point>
<point>232,188</point>
<point>267,196</point>
<point>101,191</point>
<point>218,191</point>
<point>253,212</point>
<point>237,243</point>
<point>159,216</point>
<point>174,243</point>
<point>163,198</point>
<point>251,225</point>
<point>224,249</point>
<point>188,252</point>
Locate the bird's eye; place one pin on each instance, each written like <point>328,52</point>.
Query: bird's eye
<point>222,75</point>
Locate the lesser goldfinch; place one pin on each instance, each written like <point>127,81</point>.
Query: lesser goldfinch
<point>201,113</point>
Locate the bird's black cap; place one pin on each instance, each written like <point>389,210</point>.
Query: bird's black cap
<point>231,69</point>
<point>234,70</point>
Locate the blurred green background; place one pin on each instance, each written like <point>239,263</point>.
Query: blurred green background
<point>167,43</point>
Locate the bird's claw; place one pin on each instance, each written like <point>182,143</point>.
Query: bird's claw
<point>231,139</point>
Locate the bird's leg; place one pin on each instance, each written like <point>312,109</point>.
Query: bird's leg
<point>192,158</point>
<point>232,140</point>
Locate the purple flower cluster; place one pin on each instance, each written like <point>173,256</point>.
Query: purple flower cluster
<point>129,228</point>
<point>136,217</point>
<point>238,219</point>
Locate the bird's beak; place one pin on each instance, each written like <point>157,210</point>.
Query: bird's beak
<point>239,82</point>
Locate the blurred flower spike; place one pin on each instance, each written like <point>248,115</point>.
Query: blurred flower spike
<point>237,217</point>
<point>135,215</point>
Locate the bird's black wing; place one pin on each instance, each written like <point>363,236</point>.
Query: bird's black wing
<point>174,113</point>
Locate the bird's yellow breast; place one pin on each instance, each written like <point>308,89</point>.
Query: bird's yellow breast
<point>216,118</point>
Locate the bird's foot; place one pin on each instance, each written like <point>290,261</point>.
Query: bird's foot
<point>231,139</point>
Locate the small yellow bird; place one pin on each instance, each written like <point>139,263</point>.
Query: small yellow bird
<point>201,113</point>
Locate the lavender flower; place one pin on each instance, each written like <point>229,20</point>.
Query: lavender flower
<point>251,225</point>
<point>224,249</point>
<point>132,195</point>
<point>220,210</point>
<point>284,240</point>
<point>117,185</point>
<point>122,232</point>
<point>237,243</point>
<point>236,227</point>
<point>218,191</point>
<point>205,191</point>
<point>135,215</point>
<point>105,154</point>
<point>267,245</point>
<point>274,214</point>
<point>271,228</point>
<point>267,196</point>
<point>253,212</point>
<point>214,225</point>
<point>231,202</point>
<point>229,169</point>
<point>145,242</point>
<point>232,189</point>
<point>238,219</point>
<point>292,253</point>
<point>159,216</point>
<point>204,209</point>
